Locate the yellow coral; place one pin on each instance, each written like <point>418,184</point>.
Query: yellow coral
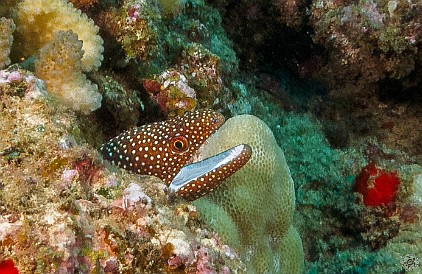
<point>39,20</point>
<point>256,204</point>
<point>6,39</point>
<point>59,65</point>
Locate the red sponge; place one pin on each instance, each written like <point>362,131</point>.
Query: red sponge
<point>8,267</point>
<point>377,186</point>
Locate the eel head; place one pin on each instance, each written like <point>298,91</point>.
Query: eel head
<point>169,150</point>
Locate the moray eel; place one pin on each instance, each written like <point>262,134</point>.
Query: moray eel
<point>170,150</point>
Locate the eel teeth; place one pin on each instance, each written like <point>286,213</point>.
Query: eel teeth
<point>199,178</point>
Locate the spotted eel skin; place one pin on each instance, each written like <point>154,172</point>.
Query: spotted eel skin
<point>167,150</point>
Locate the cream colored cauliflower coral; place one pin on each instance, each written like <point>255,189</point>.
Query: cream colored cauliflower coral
<point>38,20</point>
<point>50,30</point>
<point>253,209</point>
<point>64,77</point>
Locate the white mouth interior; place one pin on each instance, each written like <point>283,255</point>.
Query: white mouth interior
<point>195,170</point>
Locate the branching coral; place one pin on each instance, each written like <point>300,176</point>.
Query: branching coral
<point>59,65</point>
<point>38,20</point>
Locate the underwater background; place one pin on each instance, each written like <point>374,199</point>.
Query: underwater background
<point>324,97</point>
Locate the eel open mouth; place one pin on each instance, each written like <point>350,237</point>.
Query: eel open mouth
<point>168,150</point>
<point>199,178</point>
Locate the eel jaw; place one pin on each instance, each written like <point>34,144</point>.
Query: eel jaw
<point>199,178</point>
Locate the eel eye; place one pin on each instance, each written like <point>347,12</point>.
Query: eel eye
<point>179,144</point>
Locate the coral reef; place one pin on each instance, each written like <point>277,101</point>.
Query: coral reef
<point>373,47</point>
<point>63,77</point>
<point>171,7</point>
<point>195,83</point>
<point>83,4</point>
<point>292,12</point>
<point>199,29</point>
<point>253,209</point>
<point>6,39</point>
<point>63,211</point>
<point>172,92</point>
<point>5,6</point>
<point>348,237</point>
<point>121,102</point>
<point>203,73</point>
<point>367,40</point>
<point>338,83</point>
<point>377,225</point>
<point>133,27</point>
<point>50,30</point>
<point>38,21</point>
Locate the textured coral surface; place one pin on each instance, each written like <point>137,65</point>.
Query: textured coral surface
<point>63,76</point>
<point>39,20</point>
<point>337,82</point>
<point>253,209</point>
<point>6,39</point>
<point>62,211</point>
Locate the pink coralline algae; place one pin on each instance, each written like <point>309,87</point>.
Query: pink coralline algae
<point>133,194</point>
<point>12,76</point>
<point>203,265</point>
<point>34,88</point>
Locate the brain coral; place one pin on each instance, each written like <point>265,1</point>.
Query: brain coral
<point>253,209</point>
<point>38,20</point>
<point>59,65</point>
<point>6,39</point>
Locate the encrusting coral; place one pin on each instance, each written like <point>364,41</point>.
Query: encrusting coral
<point>37,22</point>
<point>203,72</point>
<point>172,92</point>
<point>83,4</point>
<point>59,64</point>
<point>133,27</point>
<point>253,209</point>
<point>6,39</point>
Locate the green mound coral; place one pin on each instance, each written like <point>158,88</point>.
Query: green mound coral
<point>253,209</point>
